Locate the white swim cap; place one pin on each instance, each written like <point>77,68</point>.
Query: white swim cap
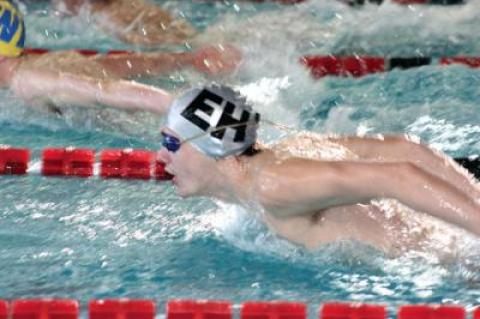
<point>215,119</point>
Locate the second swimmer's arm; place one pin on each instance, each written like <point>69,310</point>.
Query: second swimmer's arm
<point>128,65</point>
<point>212,60</point>
<point>71,89</point>
<point>299,186</point>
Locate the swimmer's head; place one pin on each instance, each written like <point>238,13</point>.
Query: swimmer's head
<point>203,126</point>
<point>12,30</point>
<point>215,119</point>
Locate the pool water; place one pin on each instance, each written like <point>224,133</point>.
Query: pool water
<point>88,239</point>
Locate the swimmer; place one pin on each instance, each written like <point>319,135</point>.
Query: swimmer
<point>64,78</point>
<point>314,190</point>
<point>138,22</point>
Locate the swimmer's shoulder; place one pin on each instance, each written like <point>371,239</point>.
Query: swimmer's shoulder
<point>311,145</point>
<point>301,138</point>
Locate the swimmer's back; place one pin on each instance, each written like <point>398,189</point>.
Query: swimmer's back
<point>385,224</point>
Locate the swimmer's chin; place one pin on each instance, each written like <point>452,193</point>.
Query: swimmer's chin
<point>182,194</point>
<point>181,191</point>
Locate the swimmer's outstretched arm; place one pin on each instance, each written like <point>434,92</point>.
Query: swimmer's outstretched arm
<point>401,148</point>
<point>211,60</point>
<point>131,65</point>
<point>300,186</point>
<point>69,89</point>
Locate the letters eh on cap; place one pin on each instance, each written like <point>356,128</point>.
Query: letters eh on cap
<point>219,120</point>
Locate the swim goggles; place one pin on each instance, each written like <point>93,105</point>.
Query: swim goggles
<point>170,142</point>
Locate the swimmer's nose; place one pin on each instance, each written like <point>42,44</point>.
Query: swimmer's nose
<point>163,155</point>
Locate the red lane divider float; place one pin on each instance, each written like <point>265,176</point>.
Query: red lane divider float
<point>357,66</point>
<point>273,310</point>
<point>197,309</point>
<point>68,162</point>
<point>431,312</point>
<point>73,162</point>
<point>321,66</point>
<point>352,311</point>
<point>473,62</point>
<point>3,309</point>
<point>214,309</point>
<point>127,163</point>
<point>121,309</point>
<point>14,161</point>
<point>44,309</point>
<point>476,313</point>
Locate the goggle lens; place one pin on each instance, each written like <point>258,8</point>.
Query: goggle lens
<point>170,142</point>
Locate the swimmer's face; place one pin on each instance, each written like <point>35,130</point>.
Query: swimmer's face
<point>191,168</point>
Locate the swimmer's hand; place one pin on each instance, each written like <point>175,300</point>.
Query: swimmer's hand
<point>216,60</point>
